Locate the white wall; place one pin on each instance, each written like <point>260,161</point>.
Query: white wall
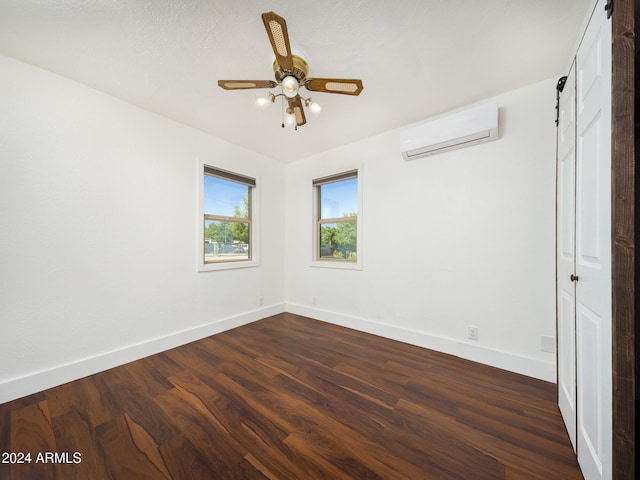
<point>98,212</point>
<point>457,239</point>
<point>98,233</point>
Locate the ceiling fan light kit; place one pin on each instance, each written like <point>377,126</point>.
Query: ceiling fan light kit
<point>290,117</point>
<point>291,74</point>
<point>290,86</point>
<point>314,107</point>
<point>264,100</point>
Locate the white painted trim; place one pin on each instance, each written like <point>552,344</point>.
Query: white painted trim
<point>512,362</point>
<point>37,381</point>
<point>255,220</point>
<point>338,264</point>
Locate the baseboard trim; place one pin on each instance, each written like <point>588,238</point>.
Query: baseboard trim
<point>512,362</point>
<point>18,387</point>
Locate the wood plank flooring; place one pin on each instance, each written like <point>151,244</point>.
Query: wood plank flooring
<point>291,398</point>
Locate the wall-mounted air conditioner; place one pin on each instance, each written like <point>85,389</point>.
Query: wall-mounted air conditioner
<point>464,128</point>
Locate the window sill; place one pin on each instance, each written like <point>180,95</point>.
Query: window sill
<point>213,267</point>
<point>336,264</point>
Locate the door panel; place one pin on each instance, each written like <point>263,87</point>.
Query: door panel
<point>566,256</point>
<point>590,204</point>
<point>590,382</point>
<point>567,363</point>
<point>593,249</point>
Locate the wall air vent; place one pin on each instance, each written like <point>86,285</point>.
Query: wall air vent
<point>460,129</point>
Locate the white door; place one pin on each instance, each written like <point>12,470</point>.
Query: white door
<point>593,248</point>
<point>566,293</point>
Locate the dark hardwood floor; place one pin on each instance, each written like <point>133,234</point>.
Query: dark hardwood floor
<point>291,398</point>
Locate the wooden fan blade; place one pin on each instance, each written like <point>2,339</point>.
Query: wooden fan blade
<point>295,104</point>
<point>279,37</point>
<point>345,86</point>
<point>245,84</point>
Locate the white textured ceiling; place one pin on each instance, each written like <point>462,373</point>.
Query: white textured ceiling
<point>416,58</point>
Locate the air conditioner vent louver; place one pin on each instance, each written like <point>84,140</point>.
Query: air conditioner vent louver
<point>461,129</point>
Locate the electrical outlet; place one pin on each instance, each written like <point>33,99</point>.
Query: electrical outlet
<point>548,344</point>
<point>313,300</point>
<point>260,301</point>
<point>472,333</point>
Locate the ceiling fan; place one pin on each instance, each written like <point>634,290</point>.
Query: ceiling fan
<point>291,74</point>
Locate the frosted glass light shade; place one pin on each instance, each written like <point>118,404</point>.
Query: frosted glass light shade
<point>290,118</point>
<point>314,108</point>
<point>290,86</point>
<point>264,100</point>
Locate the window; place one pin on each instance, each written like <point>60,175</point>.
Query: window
<point>336,236</point>
<point>227,208</point>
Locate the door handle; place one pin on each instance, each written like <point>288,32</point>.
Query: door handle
<point>574,278</point>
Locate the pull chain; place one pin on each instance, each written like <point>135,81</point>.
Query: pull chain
<point>282,110</point>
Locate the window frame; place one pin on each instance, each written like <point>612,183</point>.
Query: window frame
<point>206,168</point>
<point>317,260</point>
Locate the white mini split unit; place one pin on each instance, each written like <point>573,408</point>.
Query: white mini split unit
<point>464,128</point>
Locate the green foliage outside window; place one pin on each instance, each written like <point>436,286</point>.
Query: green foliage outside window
<point>230,232</point>
<point>339,239</point>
